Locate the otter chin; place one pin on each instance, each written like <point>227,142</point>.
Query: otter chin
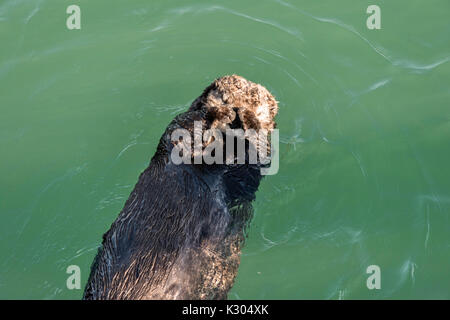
<point>181,231</point>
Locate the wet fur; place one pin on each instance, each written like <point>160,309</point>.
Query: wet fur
<point>180,233</point>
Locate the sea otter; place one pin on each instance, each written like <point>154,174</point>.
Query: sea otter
<point>180,233</point>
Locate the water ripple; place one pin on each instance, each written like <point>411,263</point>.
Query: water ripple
<point>293,32</point>
<point>407,64</point>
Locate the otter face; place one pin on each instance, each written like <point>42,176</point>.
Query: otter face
<point>233,106</point>
<point>232,101</point>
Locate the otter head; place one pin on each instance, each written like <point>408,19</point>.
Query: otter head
<point>232,102</point>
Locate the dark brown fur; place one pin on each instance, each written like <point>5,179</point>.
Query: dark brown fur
<point>180,233</point>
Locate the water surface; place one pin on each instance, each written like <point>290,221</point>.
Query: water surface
<point>364,123</point>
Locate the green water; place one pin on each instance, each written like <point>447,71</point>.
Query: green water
<point>364,123</point>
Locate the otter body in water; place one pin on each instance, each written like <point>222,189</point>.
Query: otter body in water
<point>180,233</point>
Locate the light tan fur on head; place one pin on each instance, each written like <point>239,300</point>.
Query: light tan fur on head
<point>234,95</point>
